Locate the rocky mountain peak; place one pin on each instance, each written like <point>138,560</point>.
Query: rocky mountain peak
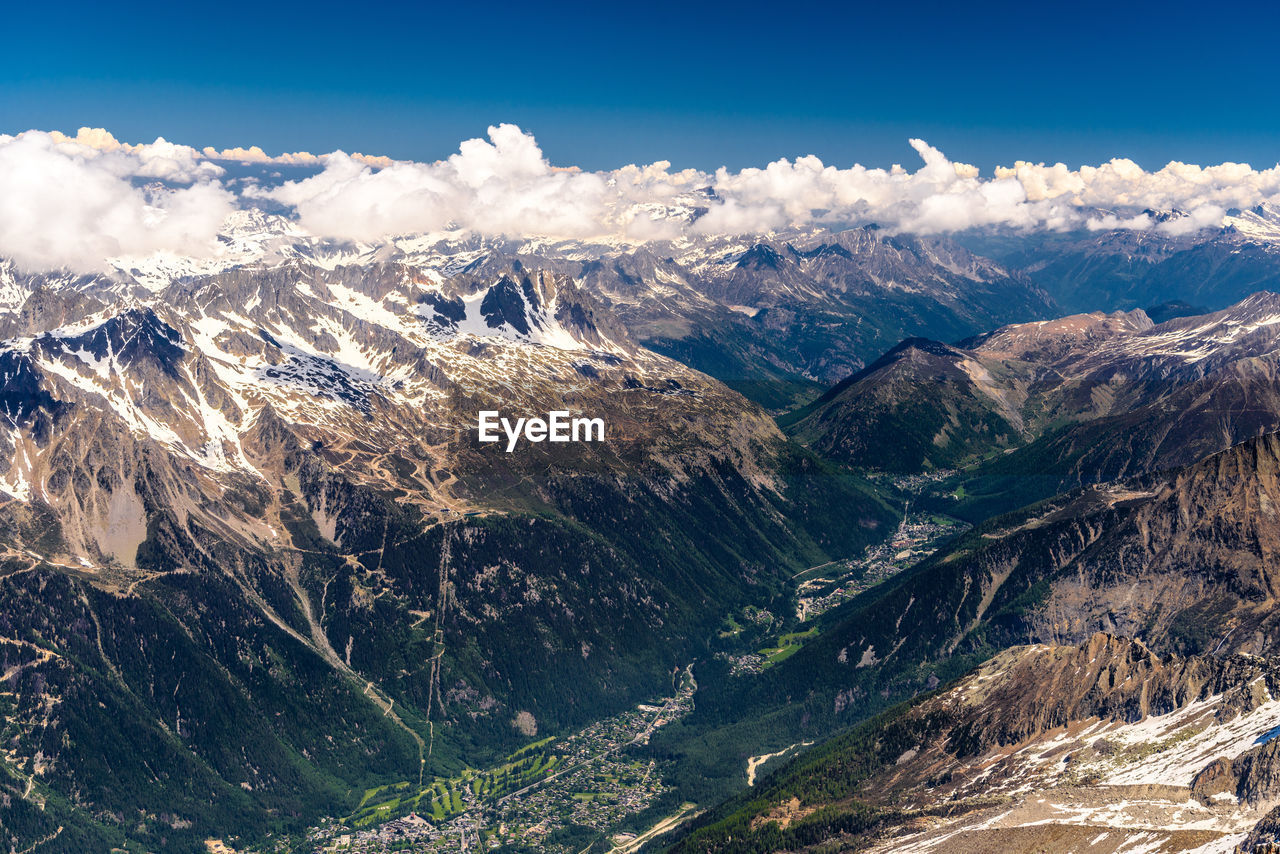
<point>1037,689</point>
<point>128,339</point>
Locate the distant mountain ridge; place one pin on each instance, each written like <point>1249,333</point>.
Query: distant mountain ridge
<point>1126,268</point>
<point>773,315</point>
<point>1043,406</point>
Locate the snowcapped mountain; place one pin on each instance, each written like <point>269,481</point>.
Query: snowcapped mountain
<point>399,343</point>
<point>369,358</point>
<point>253,479</point>
<point>261,476</point>
<point>774,316</point>
<point>391,348</point>
<point>1260,224</point>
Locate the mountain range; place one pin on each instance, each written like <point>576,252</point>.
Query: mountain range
<point>257,564</point>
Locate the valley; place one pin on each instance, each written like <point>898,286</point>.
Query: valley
<point>553,789</point>
<point>264,583</point>
<point>919,535</point>
<point>985,743</point>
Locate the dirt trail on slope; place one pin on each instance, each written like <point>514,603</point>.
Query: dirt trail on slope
<point>319,641</point>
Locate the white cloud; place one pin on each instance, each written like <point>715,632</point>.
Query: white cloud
<point>72,201</point>
<point>499,186</point>
<point>254,154</point>
<point>505,186</point>
<point>1111,222</point>
<point>66,204</point>
<point>1202,216</point>
<point>161,159</point>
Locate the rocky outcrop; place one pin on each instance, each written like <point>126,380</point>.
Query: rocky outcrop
<point>1042,748</point>
<point>1038,689</point>
<point>1265,836</point>
<point>1253,777</point>
<point>1189,564</point>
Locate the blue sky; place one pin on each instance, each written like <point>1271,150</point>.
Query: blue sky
<point>701,85</point>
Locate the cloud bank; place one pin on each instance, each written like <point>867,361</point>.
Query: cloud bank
<point>69,205</point>
<point>73,202</point>
<point>500,186</point>
<point>505,186</point>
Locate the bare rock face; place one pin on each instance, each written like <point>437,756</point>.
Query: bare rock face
<point>1264,838</point>
<point>1252,777</point>
<point>1217,778</point>
<point>1108,677</point>
<point>1026,692</point>
<point>1201,551</point>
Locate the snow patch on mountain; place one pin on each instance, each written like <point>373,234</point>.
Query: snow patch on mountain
<point>1261,223</point>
